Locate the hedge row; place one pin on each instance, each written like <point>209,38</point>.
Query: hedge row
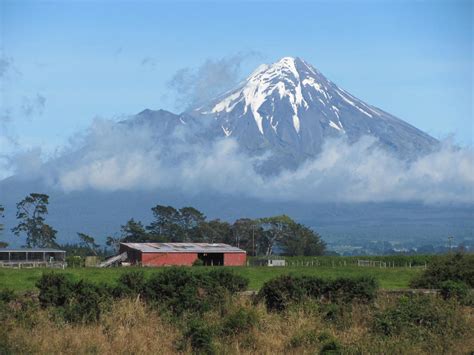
<point>279,293</point>
<point>175,290</point>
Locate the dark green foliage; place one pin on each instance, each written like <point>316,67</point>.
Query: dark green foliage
<point>280,292</point>
<point>200,336</point>
<point>7,295</point>
<point>131,283</point>
<point>76,301</point>
<point>180,289</point>
<point>55,289</point>
<point>419,317</point>
<point>454,290</point>
<point>86,302</point>
<point>198,262</point>
<point>229,280</point>
<point>31,212</point>
<point>285,290</point>
<point>455,267</point>
<point>361,289</point>
<point>239,321</point>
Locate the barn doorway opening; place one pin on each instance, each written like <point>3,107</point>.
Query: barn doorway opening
<point>212,259</point>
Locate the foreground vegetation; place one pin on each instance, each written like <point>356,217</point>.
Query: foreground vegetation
<point>184,310</point>
<point>388,278</point>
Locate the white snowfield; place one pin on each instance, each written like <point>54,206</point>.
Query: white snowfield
<point>299,87</point>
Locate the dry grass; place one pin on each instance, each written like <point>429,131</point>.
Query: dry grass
<point>129,327</point>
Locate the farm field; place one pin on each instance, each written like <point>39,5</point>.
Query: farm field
<point>389,278</point>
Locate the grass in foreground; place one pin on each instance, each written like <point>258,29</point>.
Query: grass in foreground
<point>389,278</point>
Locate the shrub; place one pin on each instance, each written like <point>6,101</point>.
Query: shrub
<point>179,290</point>
<point>85,305</point>
<point>418,317</point>
<point>282,291</point>
<point>200,336</point>
<point>454,290</point>
<point>198,262</point>
<point>229,280</point>
<point>131,283</point>
<point>456,267</point>
<point>55,289</point>
<point>7,295</point>
<point>362,289</point>
<point>239,321</point>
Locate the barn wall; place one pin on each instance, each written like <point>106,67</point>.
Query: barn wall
<point>162,259</point>
<point>235,259</point>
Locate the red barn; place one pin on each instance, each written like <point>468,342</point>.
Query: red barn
<point>164,254</point>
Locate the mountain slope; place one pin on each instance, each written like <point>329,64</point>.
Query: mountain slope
<point>290,108</point>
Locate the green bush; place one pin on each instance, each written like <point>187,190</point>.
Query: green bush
<point>239,321</point>
<point>229,280</point>
<point>454,290</point>
<point>7,295</point>
<point>179,290</point>
<point>455,267</point>
<point>285,290</point>
<point>131,283</point>
<point>198,262</point>
<point>280,292</point>
<point>200,336</point>
<point>346,290</point>
<point>420,317</point>
<point>85,304</point>
<point>55,289</point>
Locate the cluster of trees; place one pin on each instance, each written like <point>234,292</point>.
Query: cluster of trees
<point>261,236</point>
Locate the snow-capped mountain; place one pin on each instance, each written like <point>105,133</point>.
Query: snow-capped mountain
<point>290,108</point>
<point>287,109</point>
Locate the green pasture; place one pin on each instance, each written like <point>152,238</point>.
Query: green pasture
<point>389,278</point>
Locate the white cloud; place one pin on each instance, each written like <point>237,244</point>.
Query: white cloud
<point>114,156</point>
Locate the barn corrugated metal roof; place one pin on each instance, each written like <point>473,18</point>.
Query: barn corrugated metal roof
<point>184,247</point>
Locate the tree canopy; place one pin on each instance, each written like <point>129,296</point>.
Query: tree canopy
<point>31,212</point>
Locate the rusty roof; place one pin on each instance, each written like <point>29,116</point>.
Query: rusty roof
<point>183,247</point>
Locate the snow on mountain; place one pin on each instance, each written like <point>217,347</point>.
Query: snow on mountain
<point>289,107</point>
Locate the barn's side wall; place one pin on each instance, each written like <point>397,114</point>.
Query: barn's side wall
<point>235,259</point>
<point>162,259</point>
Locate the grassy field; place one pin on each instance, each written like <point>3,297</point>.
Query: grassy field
<point>389,278</point>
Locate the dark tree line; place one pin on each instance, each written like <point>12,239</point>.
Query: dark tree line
<point>257,236</point>
<point>261,236</point>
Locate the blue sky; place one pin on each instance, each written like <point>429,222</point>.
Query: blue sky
<point>71,61</point>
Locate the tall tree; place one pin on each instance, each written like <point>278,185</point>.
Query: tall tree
<point>88,242</point>
<point>31,212</point>
<point>275,230</point>
<point>166,223</point>
<point>189,218</point>
<point>246,235</point>
<point>302,240</point>
<point>134,232</point>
